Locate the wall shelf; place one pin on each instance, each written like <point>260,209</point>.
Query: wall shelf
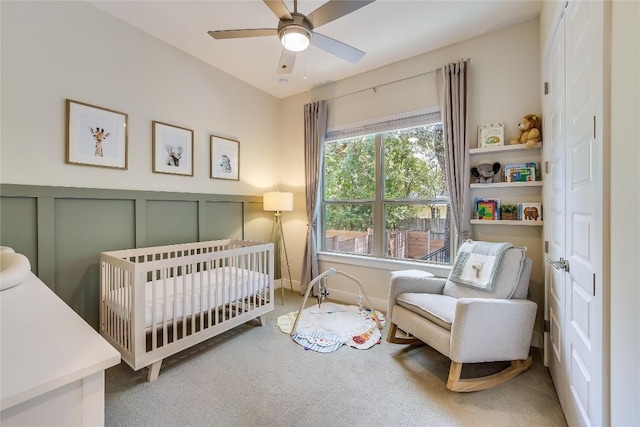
<point>508,184</point>
<point>504,148</point>
<point>506,222</point>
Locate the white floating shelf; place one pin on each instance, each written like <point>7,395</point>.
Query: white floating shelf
<point>508,184</point>
<point>504,148</point>
<point>505,222</point>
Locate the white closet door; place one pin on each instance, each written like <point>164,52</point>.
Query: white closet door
<point>554,206</point>
<point>584,204</point>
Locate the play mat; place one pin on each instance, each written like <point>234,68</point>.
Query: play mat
<point>327,327</point>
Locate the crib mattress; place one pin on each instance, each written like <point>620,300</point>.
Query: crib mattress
<point>190,294</point>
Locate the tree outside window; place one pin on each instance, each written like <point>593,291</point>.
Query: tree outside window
<point>385,195</point>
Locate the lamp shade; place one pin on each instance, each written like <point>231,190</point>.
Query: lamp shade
<point>277,201</point>
<point>295,38</point>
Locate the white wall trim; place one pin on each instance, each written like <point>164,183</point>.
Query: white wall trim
<point>439,270</point>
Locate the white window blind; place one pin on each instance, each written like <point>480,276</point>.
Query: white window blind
<point>383,124</point>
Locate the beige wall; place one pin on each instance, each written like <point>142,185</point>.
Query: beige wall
<point>57,50</point>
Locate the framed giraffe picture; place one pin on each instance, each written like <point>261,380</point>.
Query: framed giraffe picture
<point>225,158</point>
<point>96,136</point>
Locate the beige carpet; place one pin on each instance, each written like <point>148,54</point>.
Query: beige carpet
<point>257,376</point>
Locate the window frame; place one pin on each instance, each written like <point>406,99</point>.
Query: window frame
<point>378,203</point>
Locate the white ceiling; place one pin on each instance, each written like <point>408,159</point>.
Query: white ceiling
<point>387,30</point>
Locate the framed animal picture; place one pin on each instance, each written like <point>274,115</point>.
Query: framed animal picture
<point>172,148</point>
<point>96,136</point>
<point>225,158</point>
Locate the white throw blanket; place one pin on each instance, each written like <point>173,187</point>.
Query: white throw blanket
<point>477,263</point>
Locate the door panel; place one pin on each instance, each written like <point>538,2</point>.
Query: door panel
<point>584,100</point>
<point>553,202</point>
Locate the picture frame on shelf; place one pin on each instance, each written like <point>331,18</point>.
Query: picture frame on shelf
<point>530,211</point>
<point>96,136</point>
<point>224,158</point>
<point>491,135</point>
<point>487,209</point>
<point>172,149</point>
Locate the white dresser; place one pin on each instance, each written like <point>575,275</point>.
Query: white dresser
<point>52,362</point>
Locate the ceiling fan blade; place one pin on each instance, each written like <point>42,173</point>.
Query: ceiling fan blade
<point>337,48</point>
<point>335,9</point>
<point>287,60</point>
<point>236,34</point>
<point>279,9</point>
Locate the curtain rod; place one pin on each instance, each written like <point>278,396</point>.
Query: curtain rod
<point>375,88</point>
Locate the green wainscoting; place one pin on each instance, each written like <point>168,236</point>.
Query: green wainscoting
<point>63,230</point>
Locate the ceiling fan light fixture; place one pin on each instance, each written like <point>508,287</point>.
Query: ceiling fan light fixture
<point>295,38</point>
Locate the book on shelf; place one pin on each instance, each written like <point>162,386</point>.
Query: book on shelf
<point>487,209</point>
<point>491,135</point>
<point>530,211</point>
<point>520,172</point>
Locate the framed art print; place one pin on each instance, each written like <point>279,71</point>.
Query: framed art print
<point>225,158</point>
<point>96,136</point>
<point>172,149</point>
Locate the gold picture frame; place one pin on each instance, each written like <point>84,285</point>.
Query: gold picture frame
<point>172,149</point>
<point>225,158</point>
<point>96,136</point>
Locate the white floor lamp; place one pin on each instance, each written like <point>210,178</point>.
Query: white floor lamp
<point>279,202</point>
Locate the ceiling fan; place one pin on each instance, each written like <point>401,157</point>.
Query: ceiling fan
<point>296,30</point>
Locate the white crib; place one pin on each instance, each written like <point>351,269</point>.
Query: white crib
<point>158,301</point>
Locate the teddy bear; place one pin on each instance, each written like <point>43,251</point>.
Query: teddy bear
<point>530,127</point>
<point>485,172</point>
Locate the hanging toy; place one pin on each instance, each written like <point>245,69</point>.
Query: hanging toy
<point>323,292</point>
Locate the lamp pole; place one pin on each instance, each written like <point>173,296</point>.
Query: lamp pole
<point>279,245</point>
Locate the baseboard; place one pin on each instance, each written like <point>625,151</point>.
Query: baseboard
<point>336,295</point>
<point>278,283</point>
<point>350,298</point>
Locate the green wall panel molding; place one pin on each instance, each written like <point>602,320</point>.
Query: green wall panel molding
<point>83,229</point>
<point>171,221</point>
<point>62,230</point>
<point>223,220</point>
<point>18,217</point>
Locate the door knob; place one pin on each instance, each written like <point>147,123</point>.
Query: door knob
<point>561,264</point>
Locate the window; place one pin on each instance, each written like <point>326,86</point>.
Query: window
<point>385,195</point>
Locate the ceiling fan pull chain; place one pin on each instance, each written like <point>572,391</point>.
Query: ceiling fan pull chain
<point>304,62</point>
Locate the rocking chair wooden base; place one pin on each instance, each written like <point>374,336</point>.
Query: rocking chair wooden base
<point>455,383</point>
<point>393,338</point>
<point>482,383</point>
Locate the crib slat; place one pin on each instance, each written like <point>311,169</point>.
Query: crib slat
<point>201,308</point>
<point>154,335</point>
<point>193,298</point>
<point>165,307</point>
<point>184,305</point>
<point>174,281</point>
<point>209,295</point>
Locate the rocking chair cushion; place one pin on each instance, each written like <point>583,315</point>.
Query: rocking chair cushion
<point>439,309</point>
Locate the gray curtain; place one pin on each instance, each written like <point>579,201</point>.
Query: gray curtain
<point>452,91</point>
<point>315,128</point>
